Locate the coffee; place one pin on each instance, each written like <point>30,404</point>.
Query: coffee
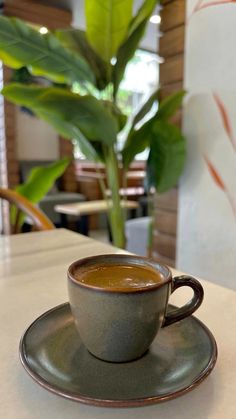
<point>119,276</point>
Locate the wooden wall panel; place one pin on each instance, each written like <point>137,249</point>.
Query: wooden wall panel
<point>172,70</point>
<point>4,207</point>
<point>170,88</point>
<point>165,221</point>
<point>10,138</point>
<point>172,15</point>
<point>167,201</point>
<point>40,14</point>
<point>165,243</point>
<point>171,48</point>
<point>172,43</point>
<point>69,182</point>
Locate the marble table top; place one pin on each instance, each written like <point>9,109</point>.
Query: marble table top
<point>33,279</point>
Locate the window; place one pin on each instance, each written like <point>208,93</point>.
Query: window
<point>140,79</point>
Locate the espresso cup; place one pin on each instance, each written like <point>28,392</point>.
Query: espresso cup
<point>119,303</point>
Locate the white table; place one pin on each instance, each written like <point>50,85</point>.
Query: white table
<point>33,279</point>
<point>84,209</point>
<point>91,207</point>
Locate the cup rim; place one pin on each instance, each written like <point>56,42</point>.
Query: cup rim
<point>114,258</point>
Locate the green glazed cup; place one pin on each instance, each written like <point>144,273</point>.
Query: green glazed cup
<point>119,325</point>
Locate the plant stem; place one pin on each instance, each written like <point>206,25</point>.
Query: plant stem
<point>150,204</point>
<point>101,183</point>
<point>124,186</point>
<point>116,215</point>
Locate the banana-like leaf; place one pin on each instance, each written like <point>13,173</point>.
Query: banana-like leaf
<point>39,183</point>
<point>146,107</point>
<point>76,40</point>
<point>125,53</point>
<point>69,131</point>
<point>137,142</point>
<point>144,11</point>
<point>41,180</point>
<point>99,150</point>
<point>116,112</point>
<point>43,55</point>
<point>107,23</point>
<point>130,44</point>
<point>170,105</point>
<point>68,112</point>
<point>166,158</point>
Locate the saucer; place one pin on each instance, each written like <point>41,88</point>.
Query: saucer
<point>179,359</point>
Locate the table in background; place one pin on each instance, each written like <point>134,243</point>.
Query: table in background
<point>33,279</point>
<point>83,210</point>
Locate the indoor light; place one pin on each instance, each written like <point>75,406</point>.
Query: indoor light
<point>155,19</point>
<point>113,60</point>
<point>43,30</point>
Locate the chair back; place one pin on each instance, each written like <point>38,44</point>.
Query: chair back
<point>39,219</point>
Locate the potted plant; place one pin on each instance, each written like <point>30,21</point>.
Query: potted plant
<point>94,62</point>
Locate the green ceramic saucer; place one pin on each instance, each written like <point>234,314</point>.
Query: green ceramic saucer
<point>179,359</point>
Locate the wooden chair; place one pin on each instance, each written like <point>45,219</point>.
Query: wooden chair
<point>39,220</point>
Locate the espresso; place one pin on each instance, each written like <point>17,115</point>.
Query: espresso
<point>119,276</point>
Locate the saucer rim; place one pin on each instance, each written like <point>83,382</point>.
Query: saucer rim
<point>118,403</point>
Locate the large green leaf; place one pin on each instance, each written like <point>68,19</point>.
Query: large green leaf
<point>170,105</point>
<point>137,142</point>
<point>125,53</point>
<point>76,40</point>
<point>166,158</point>
<point>68,112</point>
<point>146,107</point>
<point>116,112</point>
<point>41,180</point>
<point>23,46</point>
<point>107,23</point>
<point>143,13</point>
<point>130,44</point>
<point>68,130</point>
<point>39,183</point>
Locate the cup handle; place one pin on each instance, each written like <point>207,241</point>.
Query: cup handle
<point>191,306</point>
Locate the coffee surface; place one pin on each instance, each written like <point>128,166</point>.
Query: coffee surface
<point>119,276</point>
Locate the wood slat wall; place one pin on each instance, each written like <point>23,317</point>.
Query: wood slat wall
<point>172,14</point>
<point>69,182</point>
<point>172,42</point>
<point>171,48</point>
<point>38,13</point>
<point>4,208</point>
<point>172,70</point>
<point>12,165</point>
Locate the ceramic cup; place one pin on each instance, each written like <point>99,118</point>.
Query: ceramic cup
<point>118,324</point>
